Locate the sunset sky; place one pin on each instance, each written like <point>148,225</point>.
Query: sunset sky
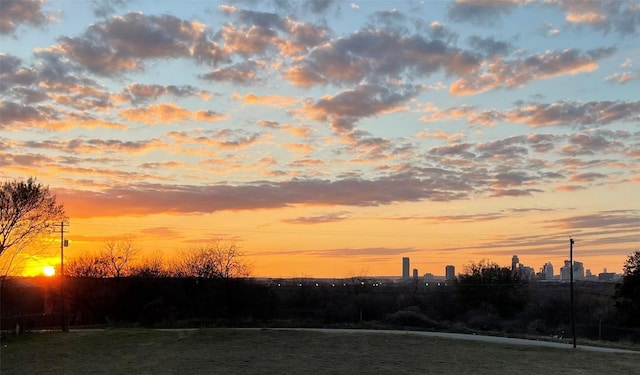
<point>331,138</point>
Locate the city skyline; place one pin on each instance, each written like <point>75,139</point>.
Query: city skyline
<point>325,138</point>
<point>544,272</point>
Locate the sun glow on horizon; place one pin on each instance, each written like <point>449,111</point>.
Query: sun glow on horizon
<point>315,150</point>
<point>49,271</point>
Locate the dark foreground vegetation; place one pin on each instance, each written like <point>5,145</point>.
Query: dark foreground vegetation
<point>230,351</point>
<point>529,308</point>
<point>487,298</point>
<point>206,287</point>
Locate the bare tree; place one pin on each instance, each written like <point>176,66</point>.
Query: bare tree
<point>230,260</point>
<point>27,211</point>
<point>119,255</point>
<point>150,267</point>
<point>216,260</point>
<point>10,261</point>
<point>113,260</point>
<point>197,262</point>
<point>88,266</point>
<point>13,260</point>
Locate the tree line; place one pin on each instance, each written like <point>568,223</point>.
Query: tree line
<point>208,285</point>
<point>485,298</point>
<point>120,258</point>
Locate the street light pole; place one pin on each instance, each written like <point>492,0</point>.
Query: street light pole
<point>64,324</point>
<point>573,312</point>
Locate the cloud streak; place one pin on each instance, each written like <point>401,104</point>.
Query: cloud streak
<point>324,115</point>
<point>151,199</point>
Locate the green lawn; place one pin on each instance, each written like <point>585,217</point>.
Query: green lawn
<point>228,351</point>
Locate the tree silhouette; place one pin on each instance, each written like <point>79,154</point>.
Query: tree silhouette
<point>150,267</point>
<point>487,285</point>
<point>118,256</point>
<point>87,265</point>
<point>113,260</point>
<point>628,292</point>
<point>27,210</point>
<point>219,259</point>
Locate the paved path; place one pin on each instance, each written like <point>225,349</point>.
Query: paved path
<point>460,336</point>
<point>445,335</point>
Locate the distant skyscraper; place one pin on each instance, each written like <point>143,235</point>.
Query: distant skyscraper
<point>547,270</point>
<point>450,272</point>
<point>565,272</point>
<point>405,268</point>
<point>415,273</point>
<point>514,263</point>
<point>589,275</point>
<point>578,270</point>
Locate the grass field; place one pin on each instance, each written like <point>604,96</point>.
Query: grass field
<point>228,351</point>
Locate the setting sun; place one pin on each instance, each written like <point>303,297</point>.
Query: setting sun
<point>49,271</point>
<point>322,153</point>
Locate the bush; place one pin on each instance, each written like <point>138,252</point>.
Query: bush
<point>485,318</point>
<point>411,317</point>
<point>537,326</point>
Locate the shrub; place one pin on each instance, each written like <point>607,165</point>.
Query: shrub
<point>411,317</point>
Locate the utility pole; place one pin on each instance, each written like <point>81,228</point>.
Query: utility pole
<point>573,311</point>
<point>64,324</point>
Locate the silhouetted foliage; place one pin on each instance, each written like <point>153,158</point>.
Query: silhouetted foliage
<point>488,297</point>
<point>167,301</point>
<point>632,264</point>
<point>27,210</point>
<point>113,260</point>
<point>150,267</point>
<point>411,316</point>
<point>118,256</point>
<point>489,284</point>
<point>628,291</point>
<point>87,266</point>
<point>192,301</point>
<point>216,260</point>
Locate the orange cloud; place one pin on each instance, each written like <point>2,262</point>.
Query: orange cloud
<point>299,147</point>
<point>623,77</point>
<point>450,113</point>
<point>167,113</point>
<point>569,188</point>
<point>164,165</point>
<point>587,177</point>
<point>137,92</point>
<point>449,137</point>
<point>277,101</point>
<point>209,116</point>
<point>299,131</point>
<point>123,43</point>
<point>225,139</point>
<point>254,40</point>
<point>516,73</point>
<point>345,109</point>
<point>15,13</point>
<point>20,116</point>
<point>82,146</point>
<point>299,76</point>
<point>587,17</point>
<point>307,163</point>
